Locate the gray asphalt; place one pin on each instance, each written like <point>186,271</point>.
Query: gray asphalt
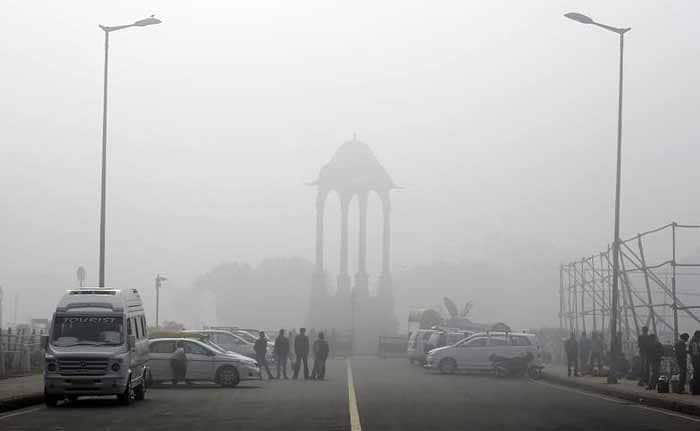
<point>391,394</point>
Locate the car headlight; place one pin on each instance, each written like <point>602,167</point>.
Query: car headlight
<point>116,367</point>
<point>51,367</point>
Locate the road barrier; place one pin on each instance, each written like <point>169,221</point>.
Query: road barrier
<point>392,347</point>
<point>20,351</point>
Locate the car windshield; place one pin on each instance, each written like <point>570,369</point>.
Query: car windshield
<point>87,330</point>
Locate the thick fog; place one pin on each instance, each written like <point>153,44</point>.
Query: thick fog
<point>497,119</point>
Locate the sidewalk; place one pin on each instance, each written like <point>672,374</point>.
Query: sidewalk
<point>625,389</point>
<point>17,392</point>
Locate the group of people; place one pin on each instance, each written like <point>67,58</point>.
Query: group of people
<point>651,351</point>
<point>299,344</point>
<point>586,352</point>
<point>683,348</point>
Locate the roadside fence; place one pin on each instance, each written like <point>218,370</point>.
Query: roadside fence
<point>20,351</point>
<point>392,347</point>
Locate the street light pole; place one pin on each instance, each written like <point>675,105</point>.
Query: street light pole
<point>614,342</point>
<point>159,283</point>
<point>103,190</point>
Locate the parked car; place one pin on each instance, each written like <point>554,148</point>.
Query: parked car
<point>205,362</point>
<point>473,353</point>
<point>446,337</point>
<point>231,342</point>
<point>417,345</point>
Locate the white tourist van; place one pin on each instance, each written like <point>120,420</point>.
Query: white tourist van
<point>97,345</point>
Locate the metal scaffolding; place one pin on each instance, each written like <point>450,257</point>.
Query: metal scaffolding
<point>656,290</point>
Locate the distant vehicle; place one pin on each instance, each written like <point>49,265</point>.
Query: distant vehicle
<point>231,342</point>
<point>97,345</point>
<point>474,353</point>
<point>205,362</point>
<point>417,345</point>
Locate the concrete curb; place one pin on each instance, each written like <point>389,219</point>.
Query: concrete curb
<point>613,391</point>
<point>21,401</point>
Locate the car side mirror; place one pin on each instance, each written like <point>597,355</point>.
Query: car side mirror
<point>44,342</point>
<point>131,342</point>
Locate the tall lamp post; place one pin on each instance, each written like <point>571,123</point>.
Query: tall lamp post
<point>614,344</point>
<point>107,30</point>
<point>159,283</point>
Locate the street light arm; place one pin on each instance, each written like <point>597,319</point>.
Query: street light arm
<point>108,29</point>
<point>611,28</point>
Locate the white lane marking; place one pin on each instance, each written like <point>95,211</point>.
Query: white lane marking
<point>352,402</point>
<point>21,412</point>
<point>620,401</point>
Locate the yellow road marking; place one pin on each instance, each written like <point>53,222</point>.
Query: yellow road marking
<point>352,400</point>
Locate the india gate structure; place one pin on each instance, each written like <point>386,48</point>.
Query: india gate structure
<point>353,172</point>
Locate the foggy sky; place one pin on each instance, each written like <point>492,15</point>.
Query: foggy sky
<point>497,118</point>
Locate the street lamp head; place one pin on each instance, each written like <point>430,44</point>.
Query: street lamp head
<point>583,19</point>
<point>148,21</point>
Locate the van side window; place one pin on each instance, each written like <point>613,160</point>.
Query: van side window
<point>144,327</point>
<point>136,328</point>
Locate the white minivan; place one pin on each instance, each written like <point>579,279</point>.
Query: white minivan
<point>473,353</point>
<point>97,345</point>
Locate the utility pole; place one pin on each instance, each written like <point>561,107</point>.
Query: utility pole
<point>159,282</point>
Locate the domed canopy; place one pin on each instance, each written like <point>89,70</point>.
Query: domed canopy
<point>354,168</point>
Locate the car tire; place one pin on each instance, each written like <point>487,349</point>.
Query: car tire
<point>447,366</point>
<point>50,400</point>
<point>127,396</point>
<point>228,376</point>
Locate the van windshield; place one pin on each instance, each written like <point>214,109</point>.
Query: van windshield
<point>87,330</point>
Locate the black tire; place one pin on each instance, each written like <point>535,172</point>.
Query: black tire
<point>127,396</point>
<point>50,400</point>
<point>72,398</point>
<point>447,366</point>
<point>228,376</point>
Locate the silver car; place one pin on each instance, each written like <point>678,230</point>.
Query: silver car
<point>205,362</point>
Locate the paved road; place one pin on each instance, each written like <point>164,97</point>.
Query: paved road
<point>391,395</point>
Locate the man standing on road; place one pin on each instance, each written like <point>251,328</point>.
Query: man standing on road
<point>584,350</point>
<point>681,350</point>
<point>178,363</point>
<point>694,349</point>
<point>301,349</point>
<point>654,355</point>
<point>571,347</point>
<point>260,348</point>
<point>320,355</point>
<point>281,353</point>
<point>597,348</point>
<point>643,342</point>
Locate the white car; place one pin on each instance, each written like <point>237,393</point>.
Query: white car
<point>231,342</point>
<point>473,353</point>
<point>205,362</point>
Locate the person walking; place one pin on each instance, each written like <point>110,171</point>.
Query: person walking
<point>694,350</point>
<point>321,351</point>
<point>597,348</point>
<point>643,343</point>
<point>584,349</point>
<point>571,347</point>
<point>178,363</point>
<point>301,350</point>
<point>260,348</point>
<point>281,351</point>
<point>681,350</point>
<point>655,353</point>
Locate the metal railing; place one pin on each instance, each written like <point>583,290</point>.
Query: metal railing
<point>20,351</point>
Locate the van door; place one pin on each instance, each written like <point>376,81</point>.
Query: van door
<point>160,354</point>
<point>200,362</point>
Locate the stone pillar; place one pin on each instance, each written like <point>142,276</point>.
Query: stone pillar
<point>320,209</point>
<point>319,293</point>
<point>385,293</point>
<point>343,275</point>
<point>386,236</point>
<point>361,278</point>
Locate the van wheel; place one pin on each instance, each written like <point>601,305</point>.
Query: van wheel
<point>50,400</point>
<point>447,366</point>
<point>228,376</point>
<point>126,397</point>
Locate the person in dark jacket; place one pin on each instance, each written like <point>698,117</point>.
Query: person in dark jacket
<point>301,349</point>
<point>281,352</point>
<point>694,351</point>
<point>178,363</point>
<point>655,354</point>
<point>260,348</point>
<point>644,344</point>
<point>571,347</point>
<point>320,350</point>
<point>681,350</point>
